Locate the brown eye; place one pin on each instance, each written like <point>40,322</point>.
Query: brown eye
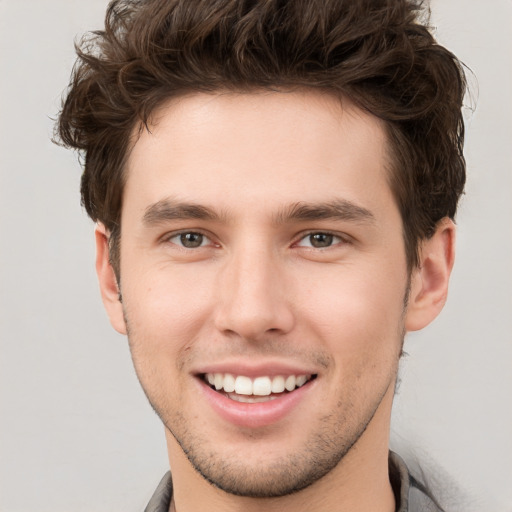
<point>189,240</point>
<point>320,240</point>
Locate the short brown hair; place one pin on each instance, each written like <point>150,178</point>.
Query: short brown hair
<point>375,52</point>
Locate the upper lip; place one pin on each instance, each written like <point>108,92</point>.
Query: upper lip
<point>252,370</point>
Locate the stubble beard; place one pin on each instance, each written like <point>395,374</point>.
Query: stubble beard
<point>325,449</point>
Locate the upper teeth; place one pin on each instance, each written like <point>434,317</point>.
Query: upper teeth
<point>260,386</point>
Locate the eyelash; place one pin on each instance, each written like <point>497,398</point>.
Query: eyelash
<point>169,238</point>
<point>341,239</point>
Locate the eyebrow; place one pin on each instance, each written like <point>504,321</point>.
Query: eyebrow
<point>338,209</point>
<point>168,209</point>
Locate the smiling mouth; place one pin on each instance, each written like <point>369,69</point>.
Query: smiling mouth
<point>255,390</point>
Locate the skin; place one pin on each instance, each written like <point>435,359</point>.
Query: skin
<point>256,295</point>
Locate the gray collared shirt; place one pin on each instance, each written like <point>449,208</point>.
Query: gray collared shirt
<point>410,495</point>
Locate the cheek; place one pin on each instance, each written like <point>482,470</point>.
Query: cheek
<point>165,312</point>
<point>358,313</point>
<point>361,325</point>
<point>166,308</point>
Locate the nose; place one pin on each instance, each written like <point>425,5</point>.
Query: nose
<point>254,300</point>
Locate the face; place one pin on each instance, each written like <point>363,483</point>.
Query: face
<point>263,277</point>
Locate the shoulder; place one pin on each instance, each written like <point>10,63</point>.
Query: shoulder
<point>161,499</point>
<point>410,494</point>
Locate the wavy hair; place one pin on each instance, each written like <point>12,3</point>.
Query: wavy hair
<point>378,53</point>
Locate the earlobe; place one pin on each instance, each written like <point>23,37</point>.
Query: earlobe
<point>429,282</point>
<point>109,288</point>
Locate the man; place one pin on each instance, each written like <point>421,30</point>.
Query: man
<point>274,185</point>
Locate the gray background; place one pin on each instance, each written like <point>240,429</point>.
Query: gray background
<point>76,433</point>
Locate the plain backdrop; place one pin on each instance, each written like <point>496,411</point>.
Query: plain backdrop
<point>76,433</point>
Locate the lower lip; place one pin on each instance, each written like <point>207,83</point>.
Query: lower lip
<point>255,415</point>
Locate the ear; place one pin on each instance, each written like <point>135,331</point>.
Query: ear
<point>109,287</point>
<point>429,281</point>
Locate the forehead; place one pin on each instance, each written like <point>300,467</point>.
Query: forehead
<point>259,150</point>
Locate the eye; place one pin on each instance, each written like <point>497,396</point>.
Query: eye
<point>190,240</point>
<point>320,240</point>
